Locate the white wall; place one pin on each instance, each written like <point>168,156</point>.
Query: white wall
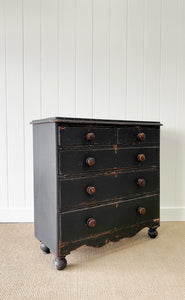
<point>121,59</point>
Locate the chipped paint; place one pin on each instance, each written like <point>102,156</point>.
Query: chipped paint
<point>115,148</point>
<point>62,128</point>
<point>103,238</point>
<point>155,220</point>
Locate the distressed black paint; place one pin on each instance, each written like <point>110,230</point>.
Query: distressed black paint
<point>108,188</point>
<point>67,213</point>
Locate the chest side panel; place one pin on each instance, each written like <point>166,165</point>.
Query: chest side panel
<point>45,184</point>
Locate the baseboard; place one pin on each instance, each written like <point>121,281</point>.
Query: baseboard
<point>172,214</point>
<point>26,214</point>
<point>16,215</point>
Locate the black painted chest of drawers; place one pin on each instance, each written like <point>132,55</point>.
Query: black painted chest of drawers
<point>95,181</point>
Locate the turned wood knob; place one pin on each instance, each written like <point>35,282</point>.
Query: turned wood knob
<point>90,136</point>
<point>91,222</point>
<point>91,190</point>
<point>141,157</point>
<point>141,210</point>
<point>90,161</point>
<point>141,136</point>
<point>141,182</point>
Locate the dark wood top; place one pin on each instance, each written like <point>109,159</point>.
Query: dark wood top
<point>93,121</point>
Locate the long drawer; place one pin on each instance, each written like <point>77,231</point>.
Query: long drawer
<point>78,192</point>
<point>76,161</point>
<point>73,225</point>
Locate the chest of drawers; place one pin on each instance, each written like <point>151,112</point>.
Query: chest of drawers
<point>95,181</point>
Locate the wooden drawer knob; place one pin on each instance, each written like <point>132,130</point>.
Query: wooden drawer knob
<point>141,182</point>
<point>91,190</point>
<point>90,161</point>
<point>91,222</point>
<point>141,157</point>
<point>141,210</point>
<point>90,136</point>
<point>141,136</point>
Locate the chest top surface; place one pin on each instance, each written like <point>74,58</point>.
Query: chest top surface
<point>94,121</point>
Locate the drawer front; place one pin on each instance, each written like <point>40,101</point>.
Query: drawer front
<point>75,161</point>
<point>137,135</point>
<point>110,217</point>
<point>84,192</point>
<point>87,135</point>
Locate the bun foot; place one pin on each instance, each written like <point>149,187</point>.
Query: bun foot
<point>152,233</point>
<point>44,248</point>
<point>60,263</point>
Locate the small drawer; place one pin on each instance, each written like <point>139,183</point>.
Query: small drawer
<point>138,135</point>
<point>87,135</point>
<point>87,223</point>
<point>80,161</point>
<point>82,192</point>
